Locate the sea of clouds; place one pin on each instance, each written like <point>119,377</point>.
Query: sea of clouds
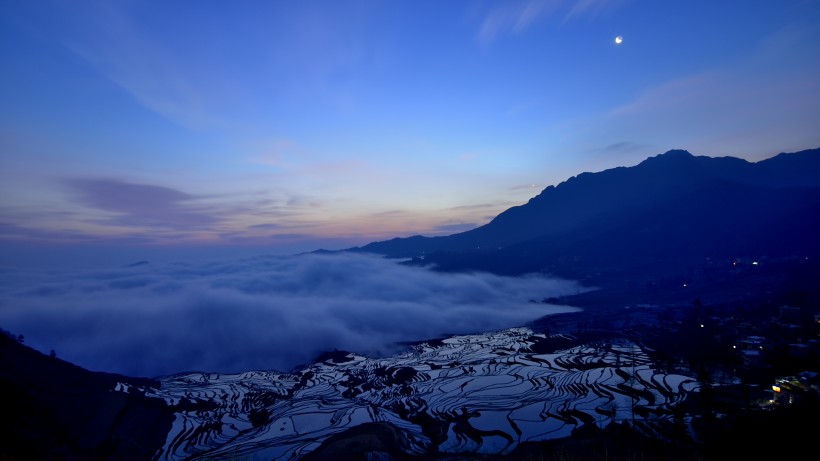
<point>263,313</point>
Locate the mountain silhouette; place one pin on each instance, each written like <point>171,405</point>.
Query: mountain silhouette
<point>58,410</point>
<point>673,210</point>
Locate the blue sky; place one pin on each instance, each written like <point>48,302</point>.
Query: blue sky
<point>292,126</point>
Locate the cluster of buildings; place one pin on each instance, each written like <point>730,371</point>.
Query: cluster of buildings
<point>794,337</point>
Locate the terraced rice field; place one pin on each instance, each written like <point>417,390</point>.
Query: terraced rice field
<point>478,393</point>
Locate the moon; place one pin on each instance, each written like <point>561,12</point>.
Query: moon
<point>619,40</point>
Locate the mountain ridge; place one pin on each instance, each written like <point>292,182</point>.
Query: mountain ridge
<point>765,198</point>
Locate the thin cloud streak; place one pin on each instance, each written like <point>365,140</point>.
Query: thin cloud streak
<point>114,46</point>
<point>620,147</point>
<point>514,18</point>
<point>509,18</point>
<point>591,8</point>
<point>136,204</point>
<point>453,228</point>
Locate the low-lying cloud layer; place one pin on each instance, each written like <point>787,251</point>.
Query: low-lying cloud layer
<point>260,313</point>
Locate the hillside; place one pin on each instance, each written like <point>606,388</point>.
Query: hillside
<point>672,211</point>
<point>57,410</point>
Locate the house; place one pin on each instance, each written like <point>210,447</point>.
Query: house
<point>794,389</point>
<point>751,349</point>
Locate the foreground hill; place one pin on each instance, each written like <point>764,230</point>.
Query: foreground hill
<point>56,410</point>
<point>670,212</point>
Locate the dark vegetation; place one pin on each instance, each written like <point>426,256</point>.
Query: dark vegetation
<point>53,410</point>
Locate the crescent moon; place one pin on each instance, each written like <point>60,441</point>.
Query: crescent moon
<point>619,40</point>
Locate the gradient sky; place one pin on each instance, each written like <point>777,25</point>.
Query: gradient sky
<point>292,126</point>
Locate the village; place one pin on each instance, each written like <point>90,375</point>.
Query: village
<point>748,330</point>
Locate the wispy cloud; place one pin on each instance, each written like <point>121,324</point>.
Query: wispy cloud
<point>452,228</point>
<point>113,44</point>
<point>259,313</point>
<point>513,18</point>
<point>144,205</point>
<point>738,107</point>
<point>620,147</point>
<point>265,226</point>
<point>480,206</point>
<point>591,8</point>
<point>525,187</point>
<point>682,93</point>
<point>11,231</point>
<point>279,152</point>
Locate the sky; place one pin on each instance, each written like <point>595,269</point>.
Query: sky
<point>135,129</point>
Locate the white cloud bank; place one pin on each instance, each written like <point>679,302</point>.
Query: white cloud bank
<point>260,313</point>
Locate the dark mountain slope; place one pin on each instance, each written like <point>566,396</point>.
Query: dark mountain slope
<point>58,411</point>
<point>795,169</point>
<point>741,222</point>
<point>672,208</point>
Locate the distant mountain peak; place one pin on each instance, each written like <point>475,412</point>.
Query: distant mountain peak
<point>674,205</point>
<point>676,153</point>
